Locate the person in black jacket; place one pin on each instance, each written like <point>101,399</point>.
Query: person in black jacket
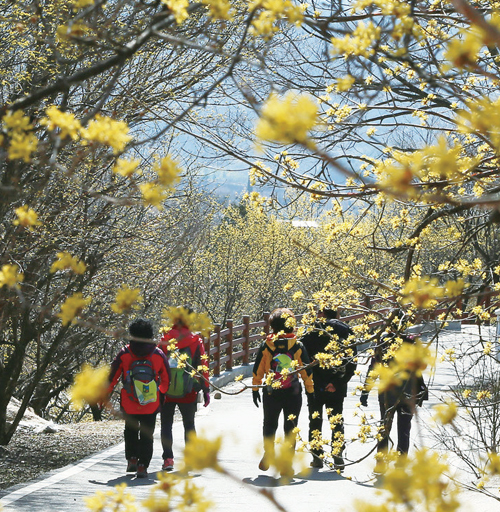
<point>399,400</point>
<point>332,336</point>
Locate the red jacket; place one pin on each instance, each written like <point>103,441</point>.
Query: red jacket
<point>121,366</point>
<point>185,338</point>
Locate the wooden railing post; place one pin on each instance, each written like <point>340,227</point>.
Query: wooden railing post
<point>217,352</point>
<point>206,343</point>
<point>246,336</point>
<point>229,340</point>
<point>267,327</point>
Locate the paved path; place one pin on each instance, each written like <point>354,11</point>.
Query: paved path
<point>239,422</point>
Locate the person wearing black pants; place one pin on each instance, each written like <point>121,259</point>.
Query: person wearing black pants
<point>400,400</point>
<point>274,404</point>
<point>330,384</point>
<point>138,435</point>
<point>279,355</point>
<point>188,411</point>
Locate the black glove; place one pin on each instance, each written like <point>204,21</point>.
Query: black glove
<point>256,397</point>
<point>364,399</point>
<point>310,398</point>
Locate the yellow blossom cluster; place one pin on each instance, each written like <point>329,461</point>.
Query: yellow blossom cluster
<point>178,9</point>
<point>482,116</point>
<point>90,386</point>
<point>126,298</point>
<point>270,12</point>
<point>281,456</point>
<point>22,141</point>
<point>10,276</point>
<point>196,322</point>
<point>446,412</point>
<point>114,499</point>
<point>173,492</point>
<point>219,9</point>
<point>168,171</point>
<point>201,453</point>
<point>26,217</point>
<point>72,307</point>
<point>65,122</point>
<point>410,488</point>
<point>65,261</point>
<point>409,359</point>
<point>463,49</point>
<point>424,292</point>
<point>125,167</point>
<point>360,42</point>
<point>288,119</point>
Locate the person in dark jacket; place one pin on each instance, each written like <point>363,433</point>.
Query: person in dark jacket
<point>399,400</point>
<point>329,335</point>
<point>279,354</point>
<point>145,374</point>
<point>183,389</point>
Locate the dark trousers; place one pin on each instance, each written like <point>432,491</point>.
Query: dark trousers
<point>331,401</point>
<point>287,401</point>
<point>404,413</point>
<point>139,430</point>
<point>188,412</point>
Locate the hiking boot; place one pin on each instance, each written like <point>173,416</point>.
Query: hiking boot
<point>338,462</point>
<point>132,465</point>
<point>142,472</point>
<point>168,465</point>
<point>317,462</point>
<point>263,464</point>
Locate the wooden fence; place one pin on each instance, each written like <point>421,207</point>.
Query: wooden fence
<point>236,343</point>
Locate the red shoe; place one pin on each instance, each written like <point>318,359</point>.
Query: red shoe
<point>168,465</point>
<point>132,465</point>
<point>142,472</point>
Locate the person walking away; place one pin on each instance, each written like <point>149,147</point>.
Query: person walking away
<point>280,353</point>
<point>145,374</point>
<point>399,400</point>
<point>181,346</point>
<point>332,336</point>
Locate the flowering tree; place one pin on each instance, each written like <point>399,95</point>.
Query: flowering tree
<point>388,111</point>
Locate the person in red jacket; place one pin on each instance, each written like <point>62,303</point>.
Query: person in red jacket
<point>145,374</point>
<point>182,346</point>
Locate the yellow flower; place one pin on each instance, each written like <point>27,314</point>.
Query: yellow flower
<point>493,467</point>
<point>345,83</point>
<point>17,121</point>
<point>26,217</point>
<point>288,119</point>
<point>117,499</point>
<point>126,168</point>
<point>152,195</point>
<point>126,298</point>
<point>168,171</point>
<point>201,453</point>
<point>219,9</point>
<point>72,307</point>
<point>178,8</point>
<point>22,145</point>
<point>83,3</point>
<point>90,386</point>
<point>68,125</point>
<point>422,292</point>
<point>66,261</point>
<point>107,131</point>
<point>10,276</point>
<point>413,357</point>
<point>445,413</point>
<point>195,322</point>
